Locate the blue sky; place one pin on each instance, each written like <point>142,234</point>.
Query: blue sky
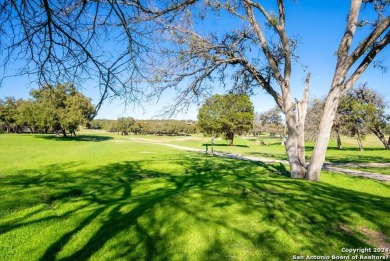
<point>319,24</point>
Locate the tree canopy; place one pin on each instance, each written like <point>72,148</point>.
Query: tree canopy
<point>8,112</point>
<point>228,115</point>
<point>52,108</point>
<point>64,107</point>
<point>124,125</point>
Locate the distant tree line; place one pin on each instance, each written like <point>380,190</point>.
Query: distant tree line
<point>126,125</point>
<point>51,109</point>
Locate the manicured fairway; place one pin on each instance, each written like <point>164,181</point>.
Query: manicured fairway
<point>374,150</point>
<point>105,198</point>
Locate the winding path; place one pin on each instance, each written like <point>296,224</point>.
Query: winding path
<point>329,166</point>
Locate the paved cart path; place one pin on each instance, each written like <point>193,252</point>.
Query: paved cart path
<point>329,166</point>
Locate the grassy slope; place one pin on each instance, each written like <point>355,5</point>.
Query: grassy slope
<point>100,199</point>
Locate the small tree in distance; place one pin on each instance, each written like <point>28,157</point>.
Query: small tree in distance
<point>271,121</point>
<point>363,109</point>
<point>227,115</point>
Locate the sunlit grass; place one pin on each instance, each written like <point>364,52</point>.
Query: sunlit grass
<point>378,170</point>
<point>98,198</point>
<point>374,150</point>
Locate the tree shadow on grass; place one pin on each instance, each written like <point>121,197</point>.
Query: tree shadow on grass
<point>281,156</point>
<point>215,207</point>
<point>92,138</point>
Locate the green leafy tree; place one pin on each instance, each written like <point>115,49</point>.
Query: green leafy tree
<point>78,111</point>
<point>227,115</point>
<point>63,108</point>
<point>146,127</point>
<point>137,128</point>
<point>387,131</point>
<point>28,114</point>
<point>52,101</point>
<point>8,114</point>
<point>124,125</point>
<point>363,109</point>
<point>351,117</point>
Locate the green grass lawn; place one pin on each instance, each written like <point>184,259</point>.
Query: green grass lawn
<point>374,151</point>
<point>104,198</point>
<point>380,170</point>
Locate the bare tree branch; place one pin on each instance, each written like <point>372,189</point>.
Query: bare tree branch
<point>369,41</point>
<point>261,37</point>
<point>375,50</point>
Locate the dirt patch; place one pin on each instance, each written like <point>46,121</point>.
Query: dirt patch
<point>375,238</point>
<point>371,237</point>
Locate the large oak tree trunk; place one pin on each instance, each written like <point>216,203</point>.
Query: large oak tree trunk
<point>318,156</point>
<point>295,121</point>
<point>292,140</point>
<point>301,111</point>
<point>340,84</point>
<point>292,152</point>
<point>301,140</point>
<point>364,53</point>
